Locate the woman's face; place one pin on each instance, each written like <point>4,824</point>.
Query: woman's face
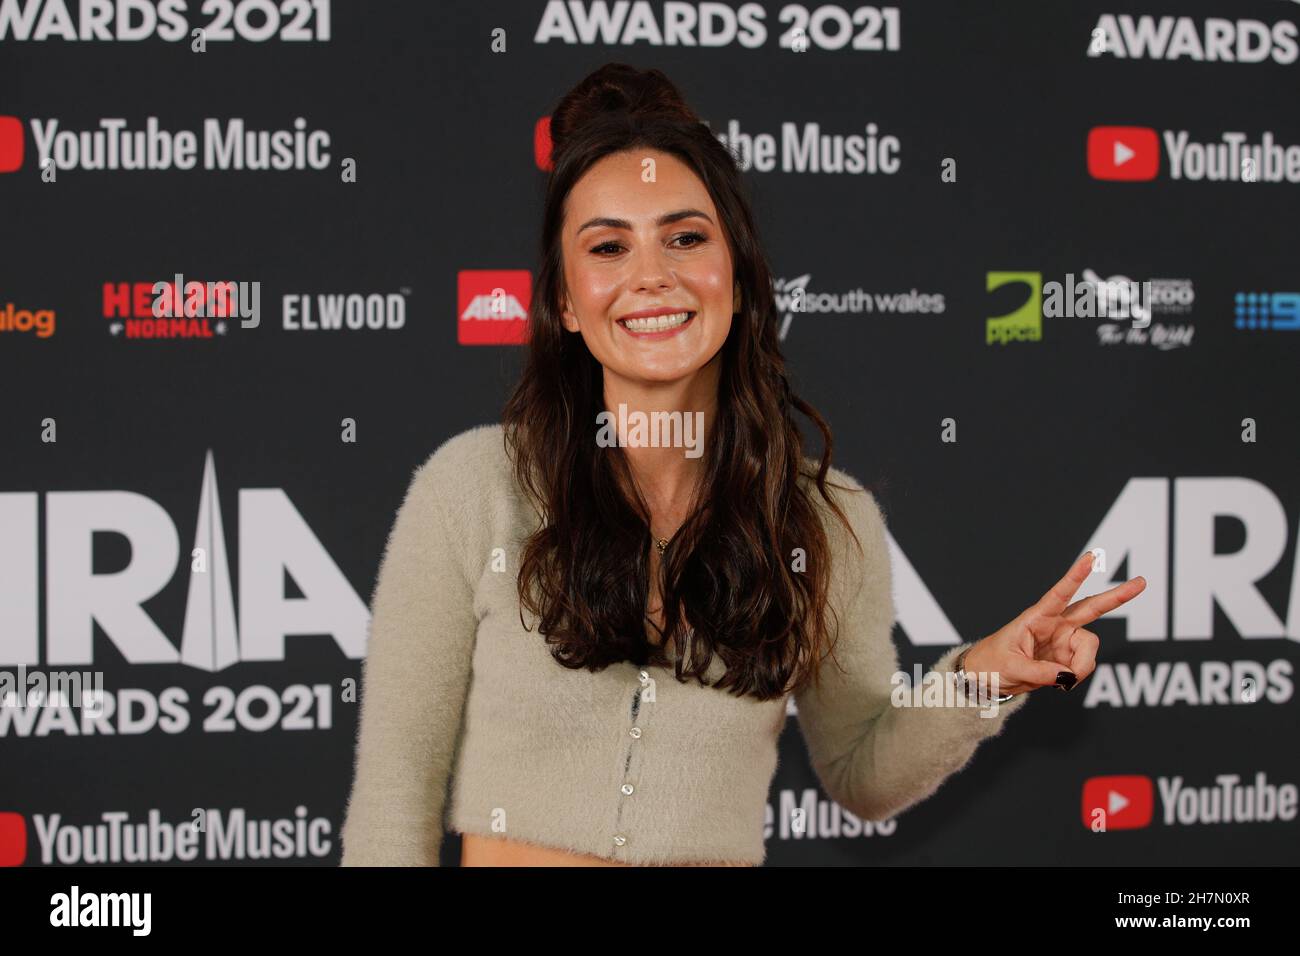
<point>632,246</point>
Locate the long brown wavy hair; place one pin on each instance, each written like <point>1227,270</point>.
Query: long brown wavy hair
<point>726,581</point>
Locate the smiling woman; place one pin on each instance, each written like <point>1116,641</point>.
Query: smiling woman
<point>618,697</point>
<point>615,293</point>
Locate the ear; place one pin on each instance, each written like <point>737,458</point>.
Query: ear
<point>567,315</point>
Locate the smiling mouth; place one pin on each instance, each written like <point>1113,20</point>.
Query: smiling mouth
<point>657,323</point>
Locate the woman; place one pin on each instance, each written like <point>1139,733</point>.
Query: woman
<point>587,621</point>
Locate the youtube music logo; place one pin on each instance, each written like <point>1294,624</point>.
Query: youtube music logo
<point>1121,802</point>
<point>1129,153</point>
<point>1128,802</point>
<point>13,839</point>
<point>11,144</point>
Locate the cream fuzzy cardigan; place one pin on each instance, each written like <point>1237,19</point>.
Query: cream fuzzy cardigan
<point>466,720</point>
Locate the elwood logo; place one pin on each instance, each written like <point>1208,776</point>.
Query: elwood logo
<point>274,540</point>
<point>227,145</point>
<point>492,306</point>
<point>1127,802</point>
<point>337,311</point>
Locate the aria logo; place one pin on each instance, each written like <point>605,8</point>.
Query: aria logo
<point>274,541</point>
<point>493,306</point>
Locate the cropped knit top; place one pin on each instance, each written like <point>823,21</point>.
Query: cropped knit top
<point>467,721</point>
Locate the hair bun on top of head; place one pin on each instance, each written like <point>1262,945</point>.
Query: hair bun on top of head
<point>614,89</point>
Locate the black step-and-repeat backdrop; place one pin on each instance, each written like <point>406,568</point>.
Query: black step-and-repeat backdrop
<point>1037,264</point>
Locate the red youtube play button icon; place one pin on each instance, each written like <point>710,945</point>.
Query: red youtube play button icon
<point>11,144</point>
<point>1129,153</point>
<point>1119,802</point>
<point>13,839</point>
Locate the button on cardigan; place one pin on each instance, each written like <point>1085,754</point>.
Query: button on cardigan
<point>466,721</point>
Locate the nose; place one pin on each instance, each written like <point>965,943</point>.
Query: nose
<point>652,270</point>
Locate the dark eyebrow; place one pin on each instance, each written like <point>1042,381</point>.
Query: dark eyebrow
<point>663,220</point>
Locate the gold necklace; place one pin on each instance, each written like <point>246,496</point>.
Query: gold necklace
<point>661,545</point>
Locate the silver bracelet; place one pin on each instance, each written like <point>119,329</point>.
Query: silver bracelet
<point>959,667</point>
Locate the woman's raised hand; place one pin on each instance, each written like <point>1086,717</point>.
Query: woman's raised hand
<point>1048,644</point>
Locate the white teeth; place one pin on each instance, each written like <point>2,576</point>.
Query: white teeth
<point>657,323</point>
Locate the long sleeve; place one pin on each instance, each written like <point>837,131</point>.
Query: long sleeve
<point>414,684</point>
<point>873,758</point>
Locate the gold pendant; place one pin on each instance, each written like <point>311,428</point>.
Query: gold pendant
<point>661,544</point>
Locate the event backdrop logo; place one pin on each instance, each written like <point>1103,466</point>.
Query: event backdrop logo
<point>1022,324</point>
<point>855,29</point>
<point>40,322</point>
<point>13,838</point>
<point>1272,311</point>
<point>11,144</point>
<point>1123,802</point>
<point>112,144</point>
<point>799,149</point>
<point>1128,802</point>
<point>274,540</point>
<point>794,298</point>
<point>1132,153</point>
<point>253,21</point>
<point>1213,40</point>
<point>493,306</point>
<point>1129,153</point>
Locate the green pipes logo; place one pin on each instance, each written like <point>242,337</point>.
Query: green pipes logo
<point>1023,324</point>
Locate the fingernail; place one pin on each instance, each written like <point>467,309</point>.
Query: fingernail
<point>1065,680</point>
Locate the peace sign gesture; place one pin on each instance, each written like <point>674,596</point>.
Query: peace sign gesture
<point>1047,644</point>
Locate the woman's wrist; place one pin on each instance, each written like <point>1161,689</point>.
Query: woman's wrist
<point>979,687</point>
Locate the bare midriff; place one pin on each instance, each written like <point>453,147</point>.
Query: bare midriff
<point>479,850</point>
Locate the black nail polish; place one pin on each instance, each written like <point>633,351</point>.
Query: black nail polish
<point>1065,680</point>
